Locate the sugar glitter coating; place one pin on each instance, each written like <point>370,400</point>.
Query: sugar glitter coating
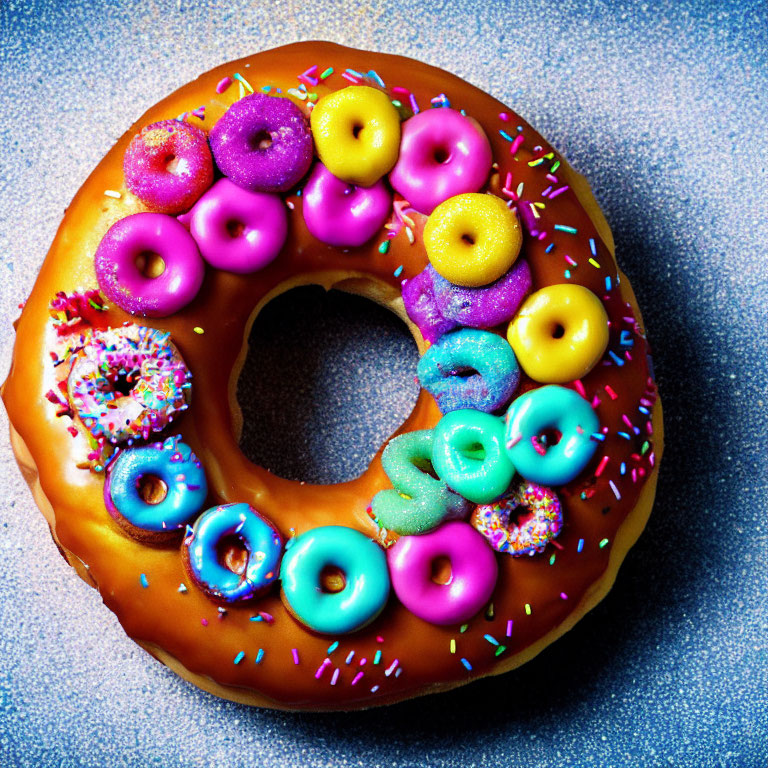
<point>127,383</point>
<point>263,143</point>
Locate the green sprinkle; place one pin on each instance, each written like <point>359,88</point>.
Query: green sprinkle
<point>463,628</point>
<point>564,228</point>
<point>500,650</point>
<point>396,103</point>
<point>552,559</point>
<point>603,543</point>
<point>555,166</point>
<point>327,73</point>
<point>644,449</point>
<point>377,657</point>
<point>240,656</point>
<point>528,608</point>
<point>384,247</point>
<point>241,79</point>
<point>94,304</point>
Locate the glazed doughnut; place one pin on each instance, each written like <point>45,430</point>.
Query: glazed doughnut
<point>126,424</point>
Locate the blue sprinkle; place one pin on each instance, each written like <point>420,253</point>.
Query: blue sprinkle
<point>259,656</point>
<point>644,410</point>
<point>352,72</point>
<point>375,76</point>
<point>623,468</point>
<point>377,657</point>
<point>626,339</point>
<point>592,246</point>
<point>491,640</point>
<point>333,646</point>
<point>567,274</point>
<point>625,435</point>
<point>256,618</point>
<point>608,284</point>
<point>398,271</point>
<point>240,656</point>
<point>616,359</point>
<point>350,656</point>
<point>466,664</point>
<point>143,580</point>
<point>580,545</point>
<point>549,248</point>
<point>598,436</point>
<point>505,135</point>
<point>564,228</point>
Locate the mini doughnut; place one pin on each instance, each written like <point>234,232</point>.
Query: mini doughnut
<point>341,214</point>
<point>468,455</point>
<point>419,502</point>
<point>357,134</point>
<point>121,263</point>
<point>551,408</point>
<point>473,573</point>
<point>168,165</point>
<point>438,306</point>
<point>501,523</point>
<point>262,143</point>
<point>237,230</point>
<point>176,497</point>
<point>487,358</point>
<point>442,153</point>
<point>146,363</point>
<point>363,568</point>
<point>472,239</point>
<point>560,333</point>
<point>251,547</point>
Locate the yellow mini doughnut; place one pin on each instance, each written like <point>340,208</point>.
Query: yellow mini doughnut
<point>357,134</point>
<point>559,333</point>
<point>472,239</point>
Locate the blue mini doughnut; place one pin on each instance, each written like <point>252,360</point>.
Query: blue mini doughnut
<point>491,386</point>
<point>261,541</point>
<point>550,408</point>
<point>173,468</point>
<point>363,565</point>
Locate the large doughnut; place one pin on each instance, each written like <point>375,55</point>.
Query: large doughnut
<point>256,648</point>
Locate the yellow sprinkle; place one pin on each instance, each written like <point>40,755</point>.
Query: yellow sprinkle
<point>409,232</point>
<point>528,608</point>
<point>113,193</point>
<point>453,646</point>
<point>594,263</point>
<point>198,329</point>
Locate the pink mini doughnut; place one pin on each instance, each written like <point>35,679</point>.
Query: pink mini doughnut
<point>128,243</point>
<point>473,573</point>
<point>442,154</point>
<point>168,165</point>
<point>341,214</point>
<point>237,230</point>
<point>521,523</point>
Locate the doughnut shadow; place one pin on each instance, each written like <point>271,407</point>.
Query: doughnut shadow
<point>328,377</point>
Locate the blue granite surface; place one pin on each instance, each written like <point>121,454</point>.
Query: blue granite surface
<point>663,106</point>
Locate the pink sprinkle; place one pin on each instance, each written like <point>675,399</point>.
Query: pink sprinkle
<point>268,617</point>
<point>559,191</point>
<point>517,143</point>
<point>504,116</point>
<point>321,668</point>
<point>595,401</point>
<point>399,89</point>
<point>610,392</point>
<point>379,639</point>
<point>295,652</point>
<point>349,77</point>
<point>601,466</point>
<point>509,628</point>
<point>414,105</point>
<point>335,677</point>
<point>362,661</point>
<point>307,76</point>
<point>626,420</point>
<point>579,387</point>
<point>357,678</point>
<point>204,622</point>
<point>652,458</point>
<point>514,441</point>
<point>223,84</point>
<point>563,596</point>
<point>552,178</point>
<point>570,260</point>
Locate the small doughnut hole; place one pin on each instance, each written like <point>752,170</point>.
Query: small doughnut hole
<point>332,580</point>
<point>152,489</point>
<point>468,239</point>
<point>261,140</point>
<point>122,385</point>
<point>235,228</point>
<point>441,155</point>
<point>150,264</point>
<point>558,331</point>
<point>474,451</point>
<point>233,554</point>
<point>440,570</point>
<point>356,130</point>
<point>550,437</point>
<point>171,163</point>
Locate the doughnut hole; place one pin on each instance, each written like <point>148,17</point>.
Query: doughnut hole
<point>357,129</point>
<point>233,554</point>
<point>549,437</point>
<point>152,489</point>
<point>150,264</point>
<point>260,141</point>
<point>441,155</point>
<point>235,228</point>
<point>440,571</point>
<point>558,331</point>
<point>332,580</point>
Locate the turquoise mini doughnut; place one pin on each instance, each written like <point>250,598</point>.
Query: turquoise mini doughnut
<point>491,386</point>
<point>260,539</point>
<point>363,565</point>
<point>419,502</point>
<point>541,410</point>
<point>173,464</point>
<point>469,456</point>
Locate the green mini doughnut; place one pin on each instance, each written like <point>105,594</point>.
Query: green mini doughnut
<point>468,453</point>
<point>419,502</point>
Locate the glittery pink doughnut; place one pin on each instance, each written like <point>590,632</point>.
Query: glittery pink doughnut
<point>168,165</point>
<point>122,280</point>
<point>342,214</point>
<point>522,522</point>
<point>238,230</point>
<point>473,573</point>
<point>442,154</point>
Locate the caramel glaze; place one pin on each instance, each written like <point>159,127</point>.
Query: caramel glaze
<point>169,622</point>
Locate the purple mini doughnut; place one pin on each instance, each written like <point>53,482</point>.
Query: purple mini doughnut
<point>237,230</point>
<point>168,165</point>
<point>130,241</point>
<point>437,306</point>
<point>442,154</point>
<point>474,571</point>
<point>342,214</point>
<point>263,143</point>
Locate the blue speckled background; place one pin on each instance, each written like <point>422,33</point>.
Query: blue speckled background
<point>663,107</point>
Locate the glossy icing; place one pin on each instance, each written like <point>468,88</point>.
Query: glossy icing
<point>167,621</point>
